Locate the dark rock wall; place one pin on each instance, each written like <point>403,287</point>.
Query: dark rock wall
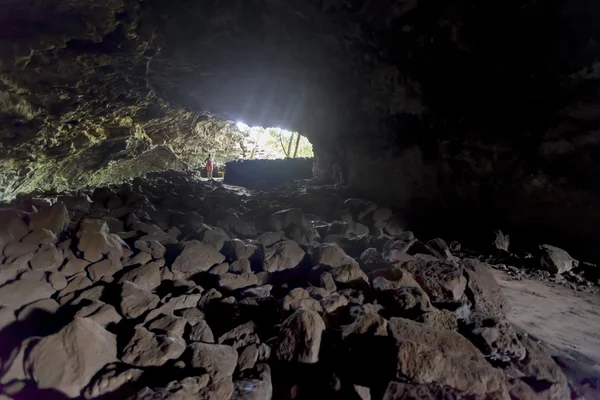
<point>459,112</point>
<point>262,174</point>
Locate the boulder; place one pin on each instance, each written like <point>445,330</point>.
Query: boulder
<point>556,260</point>
<point>443,281</point>
<point>229,281</point>
<point>426,355</point>
<point>95,242</point>
<point>283,255</point>
<point>135,301</point>
<point>168,323</point>
<point>196,257</point>
<point>331,256</point>
<point>101,313</point>
<point>152,247</point>
<point>482,289</point>
<point>47,306</point>
<point>112,378</point>
<point>103,268</point>
<point>146,349</point>
<point>16,294</point>
<point>54,218</point>
<point>67,360</point>
<point>237,250</point>
<point>282,219</point>
<point>147,277</point>
<point>299,338</point>
<point>217,360</point>
<point>201,332</point>
<point>240,336</point>
<point>439,320</point>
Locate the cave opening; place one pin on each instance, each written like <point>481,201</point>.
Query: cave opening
<point>273,143</point>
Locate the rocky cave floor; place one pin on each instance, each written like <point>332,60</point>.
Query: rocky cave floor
<point>172,287</point>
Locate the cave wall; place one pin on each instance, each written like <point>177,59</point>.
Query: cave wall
<point>460,113</point>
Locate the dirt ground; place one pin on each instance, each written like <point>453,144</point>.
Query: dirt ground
<point>566,320</point>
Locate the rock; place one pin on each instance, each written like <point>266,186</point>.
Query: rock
<point>441,249</point>
<point>430,391</point>
<point>217,360</point>
<point>74,266</point>
<point>331,256</point>
<point>299,338</point>
<point>112,378</point>
<point>556,260</point>
<point>16,294</point>
<point>39,236</point>
<point>7,317</point>
<point>350,275</point>
<point>494,337</point>
<point>135,301</point>
<point>147,277</point>
<point>57,280</point>
<point>268,239</point>
<point>67,360</point>
<point>168,323</point>
<point>152,247</point>
<point>395,226</point>
<point>237,250</point>
<point>32,310</point>
<point>140,258</point>
<point>194,387</point>
<point>75,283</point>
<point>229,281</point>
<point>95,242</point>
<point>326,281</point>
<point>439,320</point>
<point>248,357</point>
<point>501,241</point>
<point>196,257</point>
<point>14,250</point>
<point>425,355</point>
<point>366,323</point>
<point>482,289</point>
<point>201,332</point>
<point>192,315</point>
<point>214,237</point>
<point>443,281</point>
<point>54,218</point>
<point>257,291</point>
<point>241,267</point>
<point>103,314</point>
<point>541,372</point>
<point>10,271</point>
<point>15,229</point>
<point>240,336</point>
<point>282,219</point>
<point>332,302</point>
<point>103,268</point>
<point>283,255</point>
<point>257,386</point>
<point>220,269</point>
<point>13,368</point>
<point>146,349</point>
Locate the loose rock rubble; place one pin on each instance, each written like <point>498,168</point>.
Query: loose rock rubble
<point>171,288</point>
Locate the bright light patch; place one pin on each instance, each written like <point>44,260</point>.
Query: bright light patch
<point>242,126</point>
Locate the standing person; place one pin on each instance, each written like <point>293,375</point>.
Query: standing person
<point>209,166</point>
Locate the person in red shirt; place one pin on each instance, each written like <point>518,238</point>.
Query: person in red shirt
<point>209,166</point>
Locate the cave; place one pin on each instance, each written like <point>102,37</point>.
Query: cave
<point>441,132</point>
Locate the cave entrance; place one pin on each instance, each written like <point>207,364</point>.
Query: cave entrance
<point>274,143</point>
